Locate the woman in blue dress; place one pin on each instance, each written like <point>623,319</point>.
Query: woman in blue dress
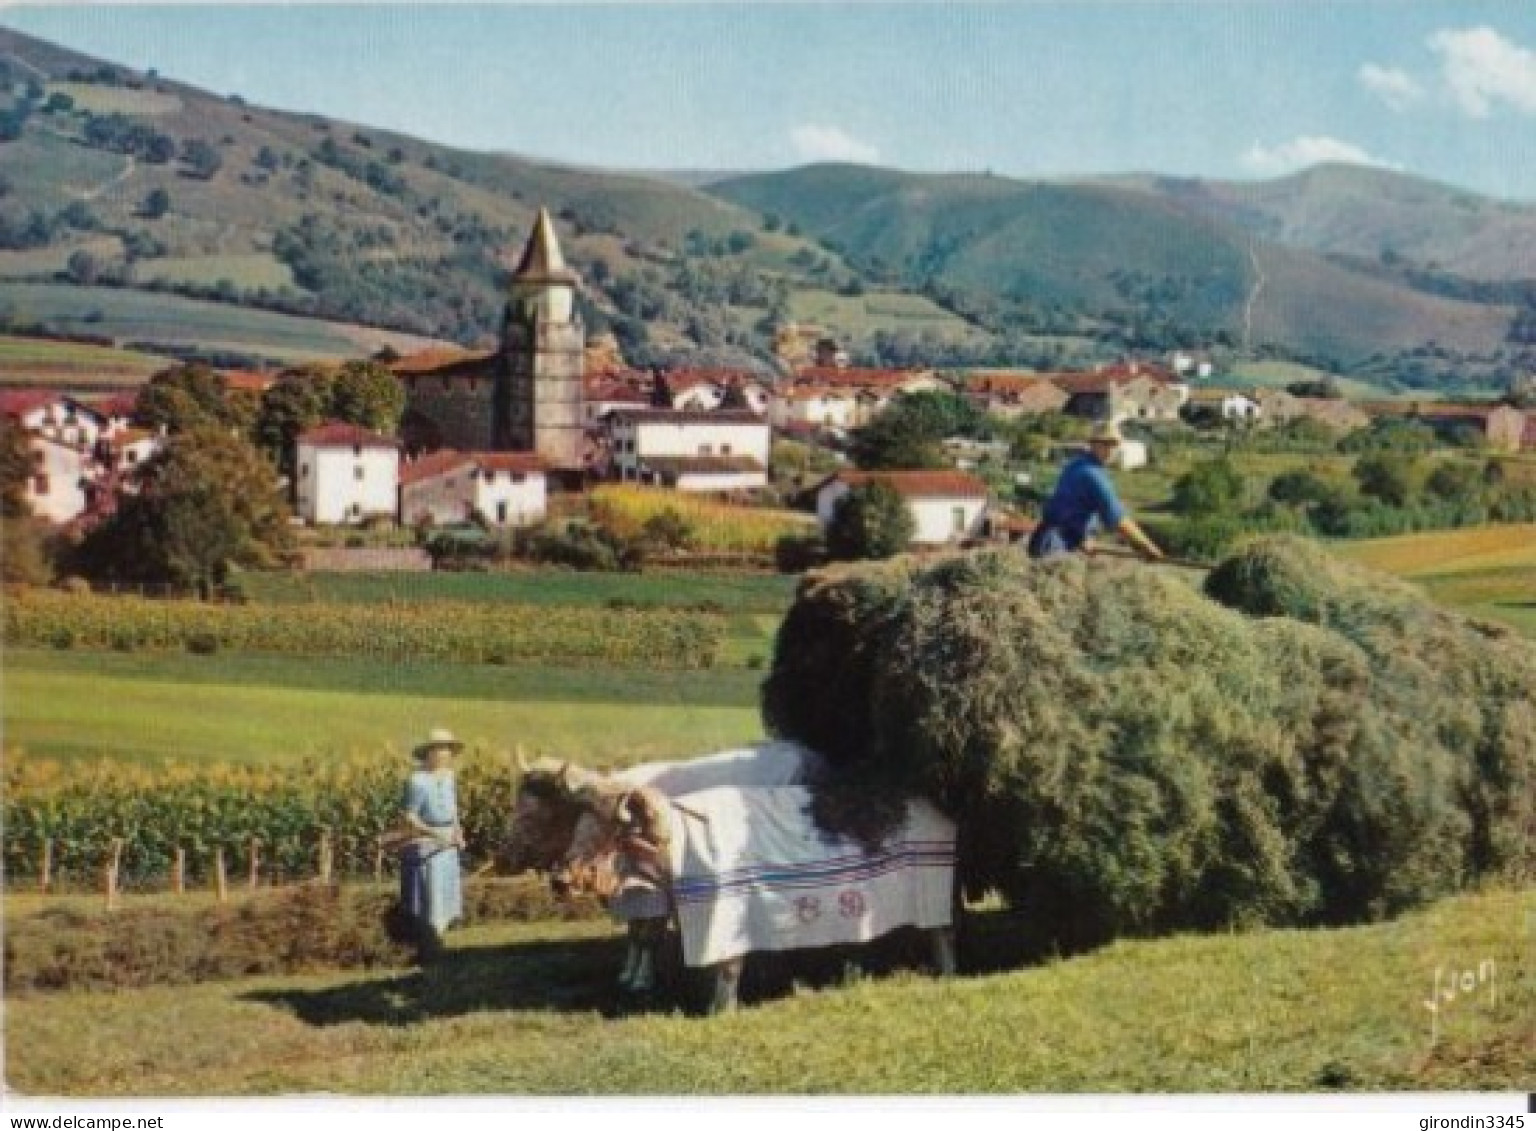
<point>430,890</point>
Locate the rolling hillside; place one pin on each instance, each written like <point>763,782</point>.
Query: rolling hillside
<point>119,182</point>
<point>1119,250</point>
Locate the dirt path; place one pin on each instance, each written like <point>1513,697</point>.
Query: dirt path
<point>1253,297</point>
<point>127,171</point>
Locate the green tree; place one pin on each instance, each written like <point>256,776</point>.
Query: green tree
<point>184,397</point>
<point>1455,480</point>
<point>206,502</point>
<point>1393,477</point>
<point>24,557</point>
<point>367,394</point>
<point>910,433</point>
<point>1299,487</point>
<point>157,202</point>
<point>1214,487</point>
<point>871,521</point>
<point>297,401</point>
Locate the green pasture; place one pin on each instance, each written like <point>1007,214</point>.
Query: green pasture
<point>76,706</point>
<point>734,593</point>
<point>1505,595</point>
<point>99,99</point>
<point>36,360</point>
<point>130,315</point>
<point>525,1009</point>
<point>248,272</point>
<point>861,315</point>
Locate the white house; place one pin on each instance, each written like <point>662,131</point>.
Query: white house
<point>815,405</point>
<point>61,480</point>
<point>507,488</point>
<point>726,450</point>
<point>946,506</point>
<point>1237,406</point>
<point>346,474</point>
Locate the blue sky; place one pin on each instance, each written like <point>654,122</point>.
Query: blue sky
<point>1229,89</point>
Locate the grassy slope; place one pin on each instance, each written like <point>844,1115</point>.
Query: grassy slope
<point>32,361</point>
<point>277,710</point>
<point>515,1011</point>
<point>1488,571</point>
<point>127,315</point>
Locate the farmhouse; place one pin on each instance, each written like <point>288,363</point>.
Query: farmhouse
<point>817,405</point>
<point>946,506</point>
<point>708,389</point>
<point>1124,392</point>
<point>725,450</point>
<point>1009,395</point>
<point>504,488</point>
<point>59,486</point>
<point>345,474</point>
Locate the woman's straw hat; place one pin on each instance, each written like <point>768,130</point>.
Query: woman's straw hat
<point>438,738</point>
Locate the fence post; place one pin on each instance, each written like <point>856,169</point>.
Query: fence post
<point>325,856</point>
<point>220,879</point>
<point>378,864</point>
<point>179,870</point>
<point>255,862</point>
<point>112,867</point>
<point>45,873</point>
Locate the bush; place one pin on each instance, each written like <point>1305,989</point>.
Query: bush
<point>796,553</point>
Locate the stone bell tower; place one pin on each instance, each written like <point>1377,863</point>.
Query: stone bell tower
<point>539,388</point>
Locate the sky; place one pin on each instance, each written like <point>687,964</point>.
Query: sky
<point>1230,89</point>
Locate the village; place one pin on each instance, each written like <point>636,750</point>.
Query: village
<point>488,436</point>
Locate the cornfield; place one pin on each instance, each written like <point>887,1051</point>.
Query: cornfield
<point>716,527</point>
<point>204,810</point>
<point>443,632</point>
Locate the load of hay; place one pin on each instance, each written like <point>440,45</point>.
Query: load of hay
<point>1126,755</point>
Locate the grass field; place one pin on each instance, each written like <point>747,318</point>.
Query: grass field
<point>34,361</point>
<point>249,272</point>
<point>735,593</point>
<point>1488,571</point>
<point>129,315</point>
<point>523,1010</point>
<point>263,709</point>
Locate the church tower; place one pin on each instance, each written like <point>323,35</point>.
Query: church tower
<point>539,389</point>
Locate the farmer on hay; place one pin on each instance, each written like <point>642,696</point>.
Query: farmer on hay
<point>430,891</point>
<point>1084,495</point>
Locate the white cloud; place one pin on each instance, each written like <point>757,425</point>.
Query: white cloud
<point>1482,69</point>
<point>1398,89</point>
<point>829,143</point>
<point>1301,152</point>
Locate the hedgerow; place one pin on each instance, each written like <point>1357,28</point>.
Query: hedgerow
<point>449,633</point>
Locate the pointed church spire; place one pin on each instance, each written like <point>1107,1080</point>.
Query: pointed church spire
<point>542,260</point>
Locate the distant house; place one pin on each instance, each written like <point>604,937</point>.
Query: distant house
<point>724,450</point>
<point>346,474</point>
<point>1501,426</point>
<point>612,394</point>
<point>946,506</point>
<point>505,488</point>
<point>815,405</point>
<point>60,480</point>
<point>1340,415</point>
<point>1124,392</point>
<point>696,390</point>
<point>1013,394</point>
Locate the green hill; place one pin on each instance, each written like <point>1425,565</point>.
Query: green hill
<point>116,180</point>
<point>1119,251</point>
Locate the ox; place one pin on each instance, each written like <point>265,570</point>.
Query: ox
<point>747,871</point>
<point>547,810</point>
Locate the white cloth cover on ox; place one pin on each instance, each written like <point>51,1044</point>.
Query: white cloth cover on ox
<point>751,872</point>
<point>764,764</point>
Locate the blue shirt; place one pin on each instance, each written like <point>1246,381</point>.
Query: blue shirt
<point>1083,493</point>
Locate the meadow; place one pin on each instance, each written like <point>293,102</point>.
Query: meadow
<point>525,1009</point>
<point>34,361</point>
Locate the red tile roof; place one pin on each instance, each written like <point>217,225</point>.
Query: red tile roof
<point>245,380</point>
<point>17,402</point>
<point>688,416</point>
<point>1003,384</point>
<point>439,463</point>
<point>334,434</point>
<point>443,361</point>
<point>861,378</point>
<point>917,484</point>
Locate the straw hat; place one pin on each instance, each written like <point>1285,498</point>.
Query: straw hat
<point>437,738</point>
<point>1106,432</point>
